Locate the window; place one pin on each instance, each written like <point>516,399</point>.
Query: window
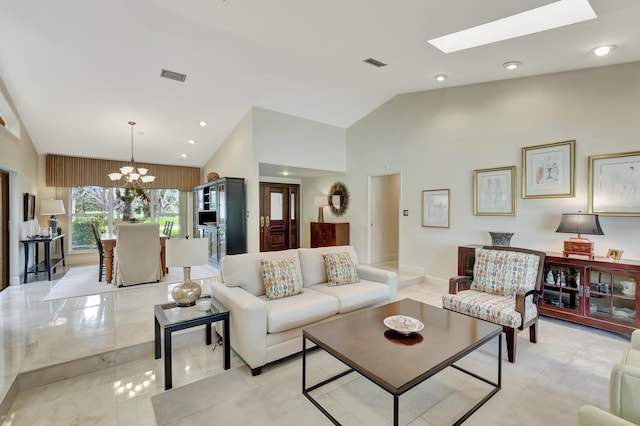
<point>106,206</point>
<point>89,204</point>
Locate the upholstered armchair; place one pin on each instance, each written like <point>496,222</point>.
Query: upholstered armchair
<point>137,254</point>
<point>504,290</point>
<point>624,392</point>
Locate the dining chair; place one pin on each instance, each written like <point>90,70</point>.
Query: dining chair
<point>100,247</point>
<point>137,254</point>
<point>168,227</point>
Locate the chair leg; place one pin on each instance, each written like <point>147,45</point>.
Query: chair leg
<point>100,269</point>
<point>533,334</point>
<point>511,336</point>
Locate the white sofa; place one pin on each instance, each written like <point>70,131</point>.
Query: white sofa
<point>262,330</point>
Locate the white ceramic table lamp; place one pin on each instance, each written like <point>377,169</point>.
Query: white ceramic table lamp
<point>185,253</point>
<point>51,208</point>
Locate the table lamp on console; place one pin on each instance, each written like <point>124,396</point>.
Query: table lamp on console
<point>185,253</point>
<point>52,208</point>
<point>579,223</point>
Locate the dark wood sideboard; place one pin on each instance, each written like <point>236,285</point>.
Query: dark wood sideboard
<point>594,292</point>
<point>325,234</point>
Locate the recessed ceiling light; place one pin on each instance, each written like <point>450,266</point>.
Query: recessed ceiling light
<point>183,155</point>
<point>192,141</point>
<point>285,173</point>
<point>512,65</point>
<point>547,17</point>
<point>441,77</point>
<point>203,123</point>
<point>603,50</point>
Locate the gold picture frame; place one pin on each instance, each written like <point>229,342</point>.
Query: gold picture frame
<point>494,191</point>
<point>548,171</point>
<point>435,208</point>
<point>614,254</point>
<point>614,184</point>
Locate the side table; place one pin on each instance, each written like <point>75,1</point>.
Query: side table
<point>170,318</point>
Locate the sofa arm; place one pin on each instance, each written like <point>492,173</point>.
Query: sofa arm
<point>248,319</point>
<point>588,415</point>
<point>389,278</point>
<point>624,392</point>
<point>635,339</point>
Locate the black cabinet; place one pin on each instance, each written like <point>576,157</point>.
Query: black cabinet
<point>219,216</point>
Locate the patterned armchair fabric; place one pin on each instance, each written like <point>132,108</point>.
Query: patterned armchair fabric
<point>504,272</point>
<point>506,284</point>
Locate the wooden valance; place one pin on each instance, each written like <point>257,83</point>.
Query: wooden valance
<point>65,171</point>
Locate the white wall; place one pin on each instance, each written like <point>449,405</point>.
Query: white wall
<point>19,158</point>
<point>265,136</point>
<point>437,138</point>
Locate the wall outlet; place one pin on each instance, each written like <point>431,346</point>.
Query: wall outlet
<point>405,212</point>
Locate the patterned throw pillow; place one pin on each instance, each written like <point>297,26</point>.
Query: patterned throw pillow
<point>280,278</point>
<point>340,269</point>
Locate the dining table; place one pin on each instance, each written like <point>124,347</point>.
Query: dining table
<point>109,243</point>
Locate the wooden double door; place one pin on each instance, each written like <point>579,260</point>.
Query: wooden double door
<point>279,216</point>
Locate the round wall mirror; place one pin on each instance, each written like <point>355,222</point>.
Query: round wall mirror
<point>338,198</point>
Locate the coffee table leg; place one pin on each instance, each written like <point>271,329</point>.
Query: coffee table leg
<point>167,360</point>
<point>396,403</point>
<point>304,364</point>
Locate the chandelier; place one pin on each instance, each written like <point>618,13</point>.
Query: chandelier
<point>133,176</point>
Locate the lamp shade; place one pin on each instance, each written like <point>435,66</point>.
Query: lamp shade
<point>182,252</point>
<point>51,207</point>
<point>321,201</point>
<point>579,223</point>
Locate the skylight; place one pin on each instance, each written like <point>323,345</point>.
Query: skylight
<point>553,15</point>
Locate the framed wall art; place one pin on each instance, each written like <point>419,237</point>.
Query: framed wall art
<point>614,184</point>
<point>29,207</point>
<point>435,208</point>
<point>548,171</point>
<point>494,191</point>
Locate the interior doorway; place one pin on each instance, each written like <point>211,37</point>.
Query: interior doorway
<point>385,220</point>
<point>279,216</point>
<point>4,230</point>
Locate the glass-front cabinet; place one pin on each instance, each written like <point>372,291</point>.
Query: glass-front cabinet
<point>562,286</point>
<point>594,292</point>
<point>611,295</point>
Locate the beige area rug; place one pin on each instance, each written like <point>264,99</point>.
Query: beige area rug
<point>275,397</point>
<point>82,281</point>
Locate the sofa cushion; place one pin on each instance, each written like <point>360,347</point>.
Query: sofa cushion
<point>357,295</point>
<point>340,269</point>
<point>312,262</point>
<point>245,271</point>
<point>280,277</point>
<point>502,273</point>
<point>305,308</point>
<point>489,307</point>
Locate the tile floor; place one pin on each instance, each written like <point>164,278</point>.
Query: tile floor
<point>37,334</point>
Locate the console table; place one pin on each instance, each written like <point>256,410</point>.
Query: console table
<point>49,263</point>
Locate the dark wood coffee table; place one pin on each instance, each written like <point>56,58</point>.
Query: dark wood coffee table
<point>362,342</point>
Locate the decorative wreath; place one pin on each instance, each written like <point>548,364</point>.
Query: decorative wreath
<point>340,189</point>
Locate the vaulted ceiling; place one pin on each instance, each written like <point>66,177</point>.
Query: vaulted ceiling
<point>79,70</point>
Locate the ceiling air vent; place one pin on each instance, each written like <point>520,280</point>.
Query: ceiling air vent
<point>172,75</point>
<point>375,62</point>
